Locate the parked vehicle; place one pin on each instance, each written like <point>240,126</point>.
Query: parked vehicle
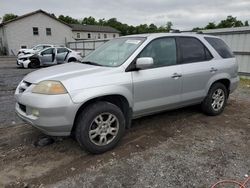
<point>48,56</point>
<point>124,79</point>
<point>33,50</point>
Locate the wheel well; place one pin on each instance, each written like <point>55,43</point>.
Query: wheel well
<point>117,100</point>
<point>225,82</point>
<point>34,59</point>
<point>71,59</point>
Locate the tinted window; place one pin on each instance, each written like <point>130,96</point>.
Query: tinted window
<point>62,50</point>
<point>163,52</point>
<point>192,50</point>
<point>220,46</point>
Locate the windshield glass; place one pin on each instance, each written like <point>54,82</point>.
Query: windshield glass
<point>115,52</point>
<point>38,48</point>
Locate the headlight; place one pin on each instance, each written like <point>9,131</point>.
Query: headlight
<point>49,88</point>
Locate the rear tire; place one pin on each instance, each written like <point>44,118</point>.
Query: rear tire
<point>72,60</point>
<point>216,100</point>
<point>99,127</point>
<point>35,63</point>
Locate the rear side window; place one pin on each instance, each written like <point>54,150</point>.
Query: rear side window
<point>192,50</point>
<point>62,50</point>
<point>220,46</point>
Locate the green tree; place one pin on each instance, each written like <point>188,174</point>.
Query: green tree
<point>89,21</point>
<point>152,28</point>
<point>68,19</point>
<point>8,17</point>
<point>168,26</point>
<point>230,21</point>
<point>246,23</point>
<point>210,25</point>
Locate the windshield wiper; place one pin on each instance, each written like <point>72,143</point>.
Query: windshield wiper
<point>91,63</point>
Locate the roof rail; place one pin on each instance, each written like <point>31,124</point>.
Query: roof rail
<point>199,32</point>
<point>175,31</point>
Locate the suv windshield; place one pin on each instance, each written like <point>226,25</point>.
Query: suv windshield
<point>115,52</point>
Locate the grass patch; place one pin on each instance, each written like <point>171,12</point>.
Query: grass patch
<point>245,82</point>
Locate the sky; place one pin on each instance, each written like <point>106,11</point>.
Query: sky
<point>184,14</point>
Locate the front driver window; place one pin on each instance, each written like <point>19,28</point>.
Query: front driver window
<point>162,50</point>
<point>48,51</point>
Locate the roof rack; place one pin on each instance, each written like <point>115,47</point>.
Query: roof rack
<point>175,31</point>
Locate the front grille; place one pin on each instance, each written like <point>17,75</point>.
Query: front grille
<point>22,107</point>
<point>23,86</point>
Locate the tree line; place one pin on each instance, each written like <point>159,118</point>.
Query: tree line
<point>126,29</point>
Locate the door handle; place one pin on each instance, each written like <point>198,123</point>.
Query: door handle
<point>176,75</point>
<point>213,69</point>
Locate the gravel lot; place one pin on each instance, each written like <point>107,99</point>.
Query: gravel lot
<point>180,148</point>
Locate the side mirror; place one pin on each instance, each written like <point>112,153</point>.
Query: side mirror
<point>144,62</point>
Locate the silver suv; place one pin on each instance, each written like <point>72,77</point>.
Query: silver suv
<point>127,78</point>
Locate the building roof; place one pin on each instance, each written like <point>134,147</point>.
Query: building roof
<point>93,28</point>
<point>224,31</point>
<point>30,14</point>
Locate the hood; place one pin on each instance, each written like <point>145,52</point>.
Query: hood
<point>27,50</point>
<point>25,56</point>
<point>65,72</point>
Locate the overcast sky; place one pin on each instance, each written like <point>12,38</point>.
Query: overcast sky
<point>184,14</point>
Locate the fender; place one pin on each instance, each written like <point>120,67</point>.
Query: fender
<point>95,92</point>
<point>26,63</point>
<point>215,78</point>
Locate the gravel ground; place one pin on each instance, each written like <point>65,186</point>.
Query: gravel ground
<point>180,148</point>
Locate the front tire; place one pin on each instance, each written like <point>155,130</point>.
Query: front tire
<point>216,100</point>
<point>35,63</point>
<point>99,127</point>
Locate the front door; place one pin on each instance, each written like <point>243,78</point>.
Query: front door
<point>158,87</point>
<point>48,56</point>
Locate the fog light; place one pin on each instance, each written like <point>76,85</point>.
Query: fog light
<point>35,112</point>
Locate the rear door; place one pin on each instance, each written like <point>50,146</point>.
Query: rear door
<point>158,87</point>
<point>61,54</point>
<point>197,68</point>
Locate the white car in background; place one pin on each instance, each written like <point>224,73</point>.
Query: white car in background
<point>37,48</point>
<point>49,56</point>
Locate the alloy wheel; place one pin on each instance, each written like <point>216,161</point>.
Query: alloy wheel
<point>218,99</point>
<point>103,129</point>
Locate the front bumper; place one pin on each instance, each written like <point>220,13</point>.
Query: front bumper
<point>56,112</point>
<point>19,63</point>
<point>23,63</point>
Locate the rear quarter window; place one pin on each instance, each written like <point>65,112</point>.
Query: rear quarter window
<point>220,46</point>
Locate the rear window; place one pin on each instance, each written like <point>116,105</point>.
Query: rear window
<point>220,46</point>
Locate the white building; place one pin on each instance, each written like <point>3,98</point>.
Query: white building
<point>82,32</point>
<point>40,27</point>
<point>31,29</point>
